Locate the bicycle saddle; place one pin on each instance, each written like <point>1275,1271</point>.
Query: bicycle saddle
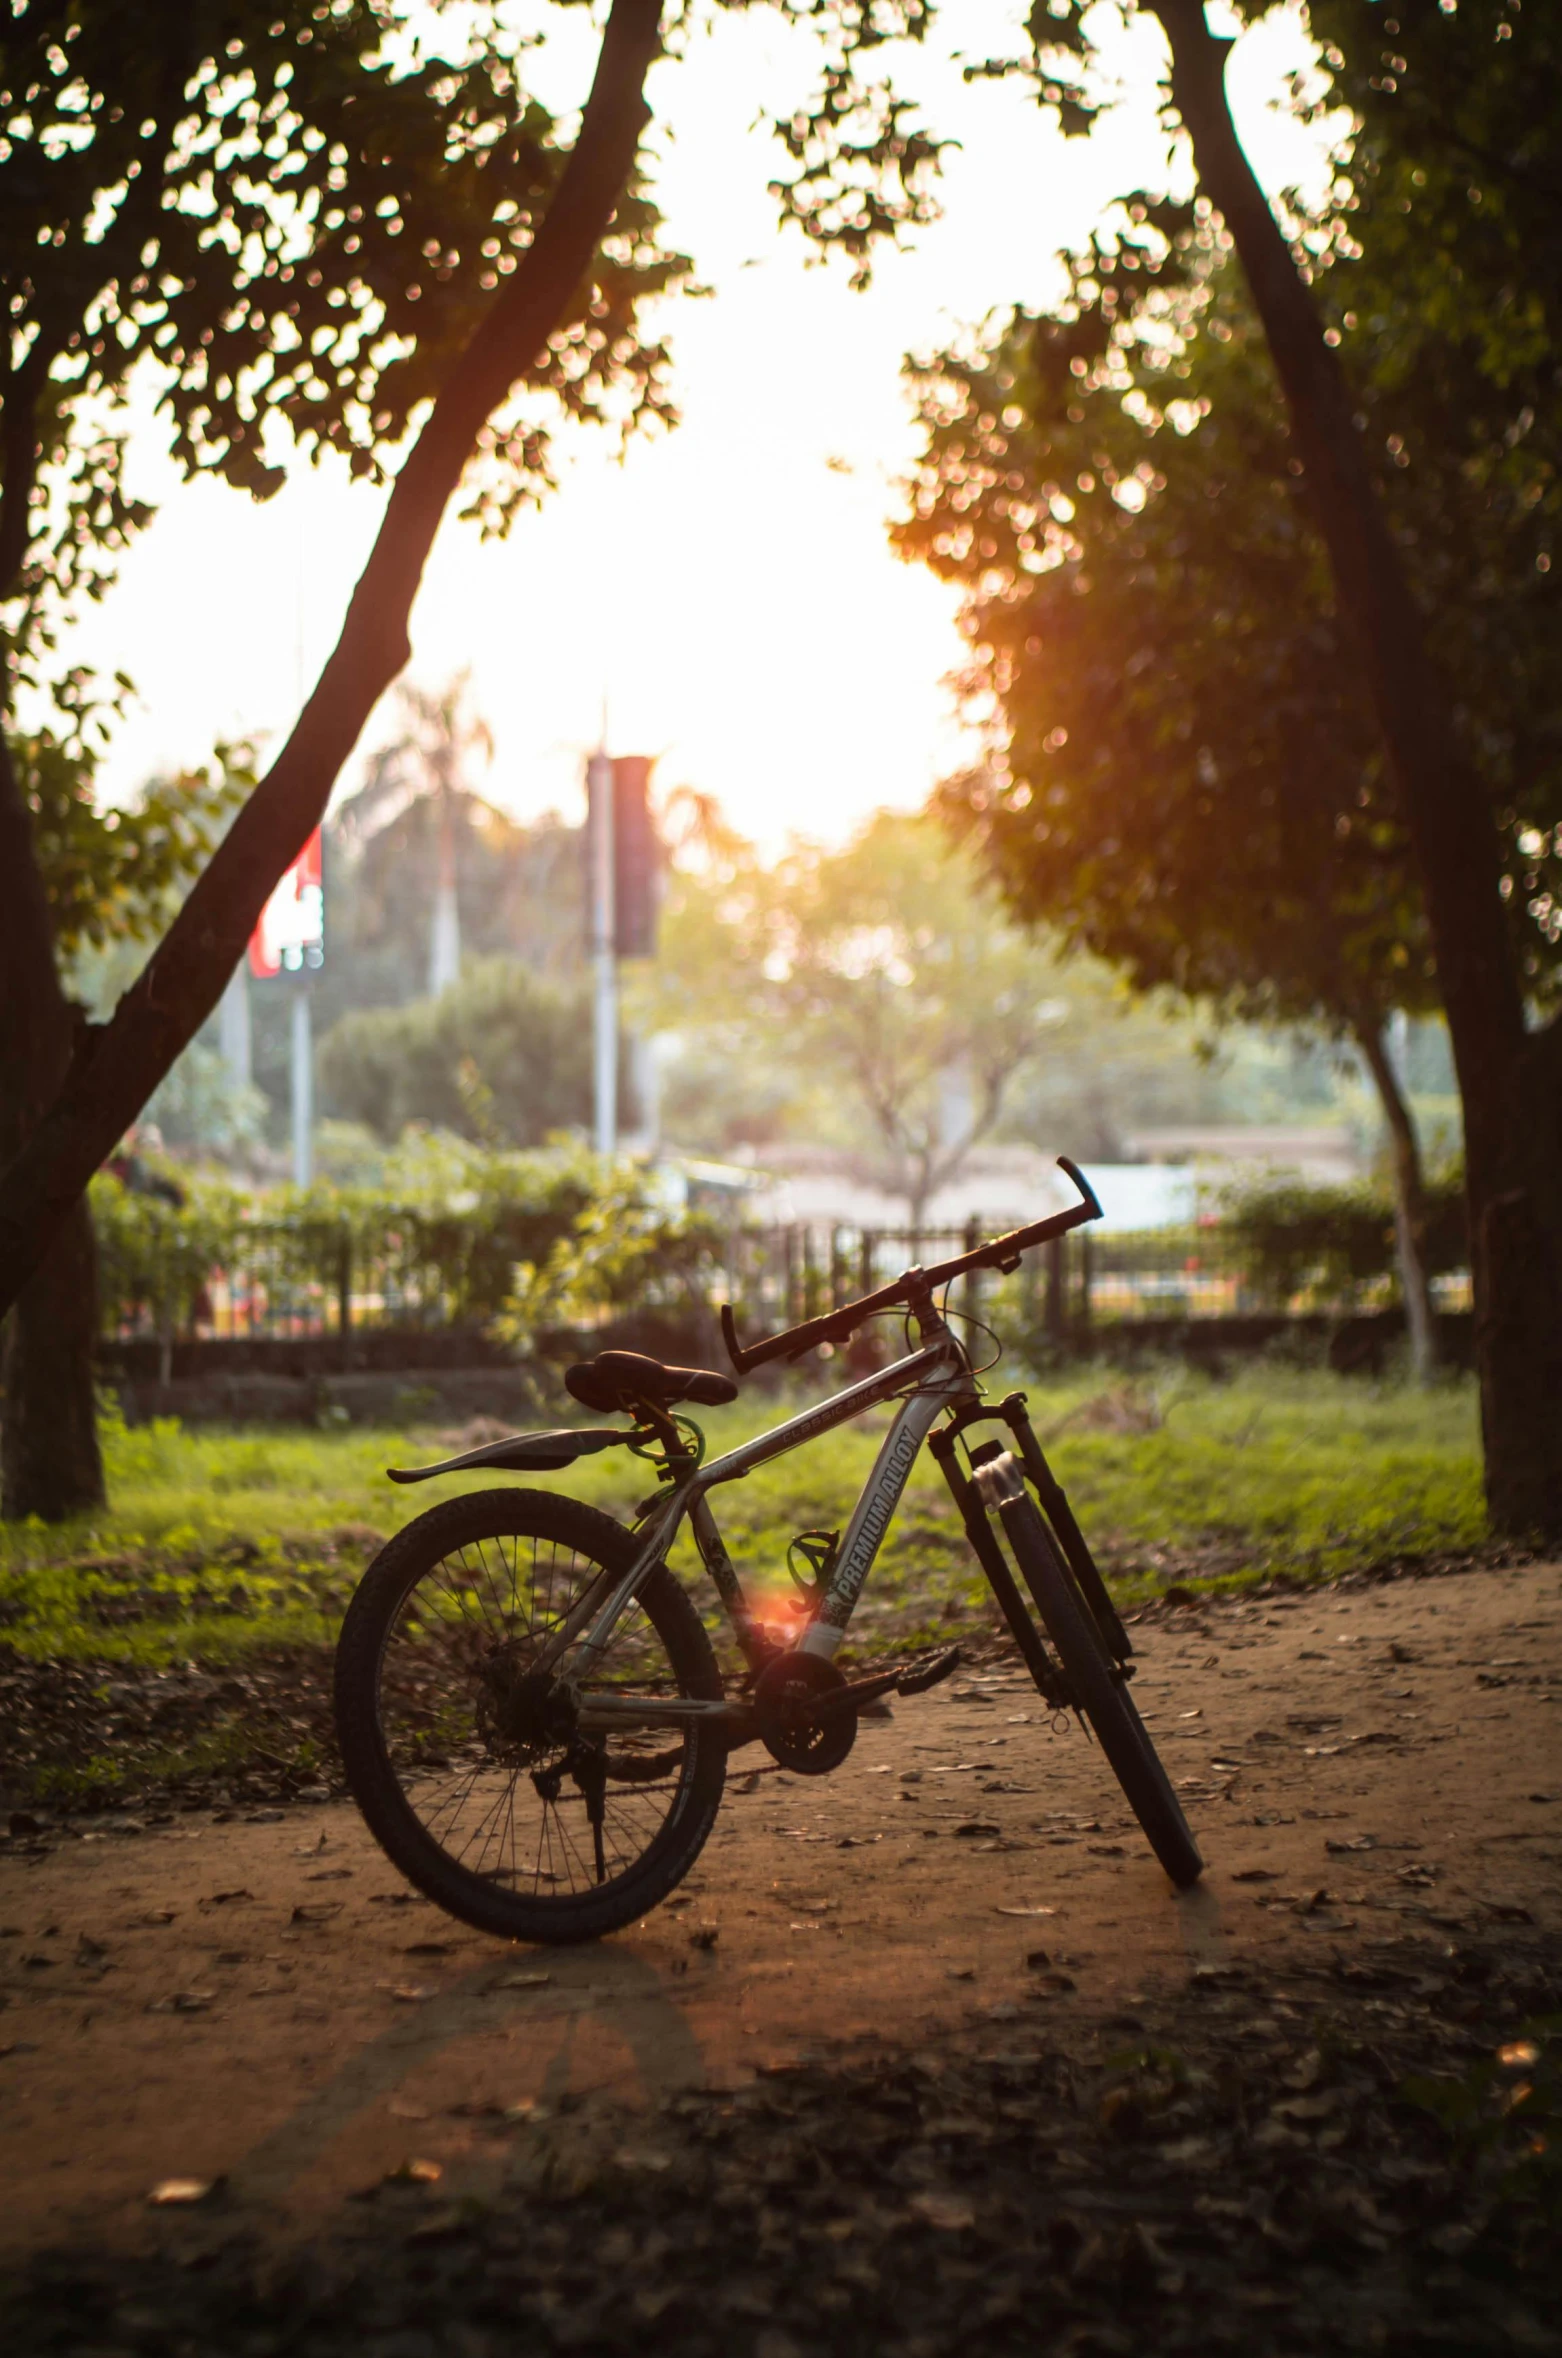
<point>617,1379</point>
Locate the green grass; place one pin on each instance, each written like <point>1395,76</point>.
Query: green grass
<point>221,1541</point>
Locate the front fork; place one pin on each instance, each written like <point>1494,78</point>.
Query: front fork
<point>1064,1530</point>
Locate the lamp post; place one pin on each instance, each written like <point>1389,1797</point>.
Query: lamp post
<point>604,951</point>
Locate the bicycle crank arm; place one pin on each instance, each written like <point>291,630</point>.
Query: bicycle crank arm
<point>909,1679</point>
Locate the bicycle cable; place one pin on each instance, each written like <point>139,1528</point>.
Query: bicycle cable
<point>979,1326</point>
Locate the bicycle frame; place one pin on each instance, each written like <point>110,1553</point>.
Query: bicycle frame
<point>929,1380</point>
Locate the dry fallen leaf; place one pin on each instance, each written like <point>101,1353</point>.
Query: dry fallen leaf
<point>944,2210</point>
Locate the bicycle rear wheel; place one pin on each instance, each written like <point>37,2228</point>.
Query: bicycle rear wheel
<point>533,1832</point>
<point>1101,1692</point>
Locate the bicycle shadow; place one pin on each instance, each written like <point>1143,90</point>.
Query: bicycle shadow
<point>620,1990</point>
<point>1202,1925</point>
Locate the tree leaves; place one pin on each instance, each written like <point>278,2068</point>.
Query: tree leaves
<point>112,875</point>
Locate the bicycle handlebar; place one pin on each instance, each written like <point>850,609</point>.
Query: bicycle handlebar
<point>1000,1252</point>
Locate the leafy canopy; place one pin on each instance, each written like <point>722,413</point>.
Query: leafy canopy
<point>291,218</point>
<point>1184,772</point>
<point>296,212</point>
<point>1183,775</point>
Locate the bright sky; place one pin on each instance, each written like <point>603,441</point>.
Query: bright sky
<point>728,588</point>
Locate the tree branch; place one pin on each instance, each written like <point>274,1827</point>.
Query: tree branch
<point>187,973</point>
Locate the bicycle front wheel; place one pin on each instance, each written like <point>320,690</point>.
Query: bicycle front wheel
<point>1102,1693</point>
<point>522,1828</point>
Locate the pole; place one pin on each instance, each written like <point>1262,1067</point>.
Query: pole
<point>233,1026</point>
<point>303,1077</point>
<point>604,958</point>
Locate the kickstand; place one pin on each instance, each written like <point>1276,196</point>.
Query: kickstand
<point>589,1769</point>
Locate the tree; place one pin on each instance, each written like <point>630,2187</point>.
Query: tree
<point>564,323</point>
<point>1186,778</point>
<point>879,980</point>
<point>1476,83</point>
<point>301,232</point>
<point>499,1056</point>
<point>1510,1077</point>
<point>427,763</point>
<point>102,876</point>
<point>519,888</point>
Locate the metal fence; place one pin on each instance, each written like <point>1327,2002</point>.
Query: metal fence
<point>287,1280</point>
<point>411,1271</point>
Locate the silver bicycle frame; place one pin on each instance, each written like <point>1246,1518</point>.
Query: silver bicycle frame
<point>926,1382</point>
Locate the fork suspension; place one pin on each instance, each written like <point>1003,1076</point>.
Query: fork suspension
<point>989,1555</point>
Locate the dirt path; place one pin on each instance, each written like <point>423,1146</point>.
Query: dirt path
<point>262,2001</point>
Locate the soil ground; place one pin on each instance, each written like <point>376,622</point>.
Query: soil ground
<point>258,2005</point>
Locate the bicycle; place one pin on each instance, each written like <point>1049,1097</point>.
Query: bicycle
<point>531,1715</point>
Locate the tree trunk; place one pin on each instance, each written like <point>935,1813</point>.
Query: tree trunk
<point>1515,1191</point>
<point>1409,1204</point>
<point>119,1065</point>
<point>49,1462</point>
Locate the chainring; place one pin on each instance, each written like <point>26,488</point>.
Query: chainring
<point>786,1693</point>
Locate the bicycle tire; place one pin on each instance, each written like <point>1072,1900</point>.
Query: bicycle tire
<point>1101,1693</point>
<point>379,1782</point>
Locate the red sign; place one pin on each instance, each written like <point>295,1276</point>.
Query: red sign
<point>290,937</point>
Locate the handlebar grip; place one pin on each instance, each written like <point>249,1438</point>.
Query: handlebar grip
<point>741,1359</point>
<point>1083,1184</point>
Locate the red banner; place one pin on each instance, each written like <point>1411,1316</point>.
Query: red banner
<point>290,937</point>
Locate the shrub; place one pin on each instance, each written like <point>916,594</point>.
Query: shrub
<point>441,1237</point>
<point>1302,1241</point>
<point>502,1057</point>
<point>627,1251</point>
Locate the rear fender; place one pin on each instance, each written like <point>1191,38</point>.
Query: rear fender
<point>524,1453</point>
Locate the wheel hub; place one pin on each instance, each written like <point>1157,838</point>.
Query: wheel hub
<point>529,1712</point>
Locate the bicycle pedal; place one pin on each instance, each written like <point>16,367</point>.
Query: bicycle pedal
<point>928,1674</point>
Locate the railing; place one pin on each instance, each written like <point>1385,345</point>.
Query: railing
<point>334,1278</point>
<point>782,1276</point>
<point>286,1280</point>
